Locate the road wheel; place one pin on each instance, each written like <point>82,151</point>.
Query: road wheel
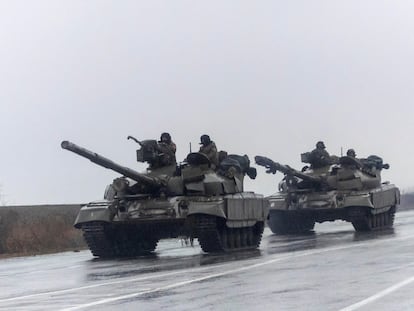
<point>214,236</point>
<point>105,241</point>
<point>371,222</point>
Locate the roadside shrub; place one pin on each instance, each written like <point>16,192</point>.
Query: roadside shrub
<point>39,229</point>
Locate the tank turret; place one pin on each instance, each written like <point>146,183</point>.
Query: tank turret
<point>348,174</point>
<point>194,176</point>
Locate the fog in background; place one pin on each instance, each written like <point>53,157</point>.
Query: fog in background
<point>260,77</point>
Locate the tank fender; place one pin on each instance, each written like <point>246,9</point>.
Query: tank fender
<point>357,200</point>
<point>213,208</point>
<point>277,202</point>
<point>385,196</point>
<point>246,206</point>
<point>240,223</point>
<point>397,196</point>
<point>95,211</point>
<point>380,210</point>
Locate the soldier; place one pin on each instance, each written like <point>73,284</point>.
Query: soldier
<point>353,162</point>
<point>167,149</point>
<point>319,157</point>
<point>351,153</point>
<point>208,147</point>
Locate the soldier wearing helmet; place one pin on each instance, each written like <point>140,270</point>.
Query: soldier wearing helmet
<point>319,157</point>
<point>320,145</point>
<point>208,147</point>
<point>351,161</point>
<point>167,149</point>
<point>351,153</point>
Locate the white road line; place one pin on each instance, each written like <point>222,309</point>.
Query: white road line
<point>62,291</point>
<point>211,276</point>
<point>285,256</point>
<point>379,295</point>
<point>130,280</point>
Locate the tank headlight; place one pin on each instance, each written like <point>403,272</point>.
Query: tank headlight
<point>120,184</point>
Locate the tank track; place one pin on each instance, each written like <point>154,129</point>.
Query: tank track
<point>107,242</point>
<point>281,223</point>
<point>375,222</point>
<point>214,236</point>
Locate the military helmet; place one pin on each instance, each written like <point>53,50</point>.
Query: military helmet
<point>320,145</point>
<point>165,137</point>
<point>351,153</point>
<point>205,140</point>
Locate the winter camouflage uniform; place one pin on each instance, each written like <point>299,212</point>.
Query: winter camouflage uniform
<point>319,157</point>
<point>208,147</point>
<point>167,148</point>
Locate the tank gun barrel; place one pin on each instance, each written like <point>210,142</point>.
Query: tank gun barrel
<point>105,162</point>
<point>273,167</point>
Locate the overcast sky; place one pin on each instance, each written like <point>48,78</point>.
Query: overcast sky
<point>260,77</point>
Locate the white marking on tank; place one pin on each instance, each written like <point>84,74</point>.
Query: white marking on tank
<point>379,295</point>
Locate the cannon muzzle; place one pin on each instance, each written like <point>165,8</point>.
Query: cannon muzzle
<point>105,162</point>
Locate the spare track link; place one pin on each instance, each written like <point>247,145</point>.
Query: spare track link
<point>215,236</point>
<point>107,243</point>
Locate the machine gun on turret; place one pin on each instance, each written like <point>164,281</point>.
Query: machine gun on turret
<point>150,153</point>
<point>134,139</point>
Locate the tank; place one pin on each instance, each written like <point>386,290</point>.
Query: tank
<point>187,201</point>
<point>350,190</point>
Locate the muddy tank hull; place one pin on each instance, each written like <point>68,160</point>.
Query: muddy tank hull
<point>297,212</point>
<point>133,227</point>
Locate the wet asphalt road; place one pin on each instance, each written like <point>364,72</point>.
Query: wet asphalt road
<point>332,269</point>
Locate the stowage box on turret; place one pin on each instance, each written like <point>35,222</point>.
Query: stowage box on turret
<point>349,190</point>
<point>190,200</point>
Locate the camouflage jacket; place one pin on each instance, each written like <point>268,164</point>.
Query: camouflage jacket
<point>168,153</point>
<point>319,158</point>
<point>211,152</point>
